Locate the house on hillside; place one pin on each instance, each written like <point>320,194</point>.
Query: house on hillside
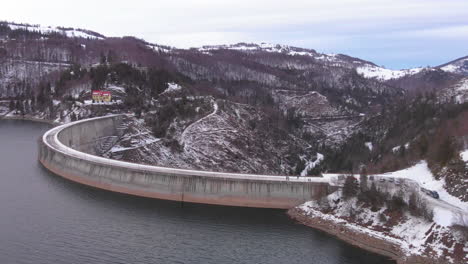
<point>101,96</point>
<point>106,96</point>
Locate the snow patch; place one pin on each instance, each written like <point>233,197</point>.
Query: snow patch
<point>464,155</point>
<point>371,71</point>
<point>116,88</point>
<point>71,33</point>
<point>443,217</point>
<point>449,68</point>
<point>173,87</point>
<point>396,149</point>
<point>312,163</point>
<point>268,47</point>
<point>164,49</point>
<point>463,85</point>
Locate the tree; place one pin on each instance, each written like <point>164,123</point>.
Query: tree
<point>111,56</point>
<point>363,180</point>
<point>413,204</point>
<point>12,105</point>
<point>17,107</point>
<point>20,107</point>
<point>138,112</point>
<point>324,203</point>
<point>374,197</point>
<point>300,166</point>
<point>396,203</point>
<point>350,188</point>
<point>103,58</point>
<point>73,117</point>
<point>446,151</point>
<point>418,207</point>
<point>33,104</point>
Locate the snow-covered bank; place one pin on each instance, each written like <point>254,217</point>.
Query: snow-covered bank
<point>400,236</point>
<point>448,209</point>
<point>393,215</point>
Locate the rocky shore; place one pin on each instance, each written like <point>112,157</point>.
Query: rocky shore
<point>359,239</point>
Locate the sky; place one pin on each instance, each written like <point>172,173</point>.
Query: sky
<point>393,33</point>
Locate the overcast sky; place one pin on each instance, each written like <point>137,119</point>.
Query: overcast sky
<point>393,33</point>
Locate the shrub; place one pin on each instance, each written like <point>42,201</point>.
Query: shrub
<point>396,203</point>
<point>350,188</point>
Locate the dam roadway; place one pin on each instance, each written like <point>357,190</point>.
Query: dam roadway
<point>70,151</point>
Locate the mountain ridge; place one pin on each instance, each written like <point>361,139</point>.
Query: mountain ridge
<point>365,68</point>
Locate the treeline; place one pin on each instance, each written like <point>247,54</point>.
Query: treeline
<point>29,102</point>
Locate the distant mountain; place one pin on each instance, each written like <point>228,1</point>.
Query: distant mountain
<point>365,68</point>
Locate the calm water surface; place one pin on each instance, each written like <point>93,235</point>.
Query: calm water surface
<point>46,219</point>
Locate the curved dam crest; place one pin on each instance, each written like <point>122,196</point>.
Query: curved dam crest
<point>70,151</point>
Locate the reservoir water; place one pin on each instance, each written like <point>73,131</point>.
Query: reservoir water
<point>47,219</point>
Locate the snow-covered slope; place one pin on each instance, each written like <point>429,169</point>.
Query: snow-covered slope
<point>266,47</point>
<point>435,237</point>
<point>336,59</point>
<point>457,93</point>
<point>415,236</point>
<point>69,32</point>
<point>372,71</point>
<point>459,66</point>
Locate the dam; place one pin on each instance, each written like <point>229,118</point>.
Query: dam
<point>71,151</point>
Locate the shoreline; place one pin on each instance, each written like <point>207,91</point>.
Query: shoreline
<point>29,118</point>
<point>361,240</point>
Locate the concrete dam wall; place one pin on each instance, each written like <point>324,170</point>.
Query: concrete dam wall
<point>72,150</point>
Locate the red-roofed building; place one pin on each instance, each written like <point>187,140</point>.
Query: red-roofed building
<point>101,96</point>
<point>106,96</point>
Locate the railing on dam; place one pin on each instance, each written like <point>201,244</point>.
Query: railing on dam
<point>68,151</point>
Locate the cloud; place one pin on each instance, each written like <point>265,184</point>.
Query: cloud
<point>446,32</point>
